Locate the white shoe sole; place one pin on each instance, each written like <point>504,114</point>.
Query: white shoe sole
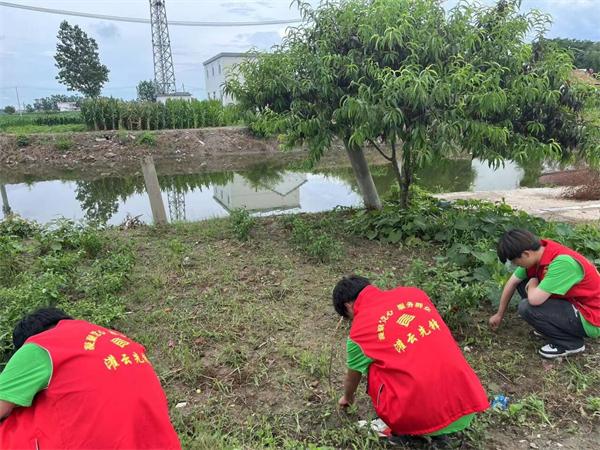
<point>560,355</point>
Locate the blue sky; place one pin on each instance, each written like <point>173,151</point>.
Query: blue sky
<point>28,39</point>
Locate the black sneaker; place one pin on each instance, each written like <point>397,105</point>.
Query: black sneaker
<point>551,351</point>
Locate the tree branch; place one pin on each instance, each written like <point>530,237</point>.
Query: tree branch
<point>389,158</point>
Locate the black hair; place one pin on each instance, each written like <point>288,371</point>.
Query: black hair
<point>35,323</point>
<point>514,242</point>
<point>347,290</point>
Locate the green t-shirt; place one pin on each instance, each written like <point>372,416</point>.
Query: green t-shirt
<point>357,360</point>
<point>564,272</point>
<point>26,373</point>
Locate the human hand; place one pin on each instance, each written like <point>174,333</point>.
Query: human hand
<point>343,402</point>
<point>495,321</point>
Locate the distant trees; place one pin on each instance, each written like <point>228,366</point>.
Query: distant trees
<point>51,103</point>
<point>146,91</point>
<point>78,63</point>
<point>586,54</point>
<point>9,109</point>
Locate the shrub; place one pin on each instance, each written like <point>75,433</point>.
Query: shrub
<point>23,140</point>
<point>467,269</point>
<point>63,144</point>
<point>241,223</point>
<point>146,138</point>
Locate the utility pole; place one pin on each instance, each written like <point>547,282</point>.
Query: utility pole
<point>18,101</point>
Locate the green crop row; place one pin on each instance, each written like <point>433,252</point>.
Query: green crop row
<point>112,114</point>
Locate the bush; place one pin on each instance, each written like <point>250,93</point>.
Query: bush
<point>467,270</point>
<point>146,139</point>
<point>63,144</point>
<point>241,223</point>
<point>23,140</point>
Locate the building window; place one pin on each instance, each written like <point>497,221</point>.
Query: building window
<point>213,70</point>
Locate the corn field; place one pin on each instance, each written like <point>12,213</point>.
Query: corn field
<point>113,114</point>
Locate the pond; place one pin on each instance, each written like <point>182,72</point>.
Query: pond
<point>262,190</point>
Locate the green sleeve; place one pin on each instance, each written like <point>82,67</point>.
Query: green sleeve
<point>520,273</point>
<point>26,373</point>
<point>357,360</point>
<point>563,273</point>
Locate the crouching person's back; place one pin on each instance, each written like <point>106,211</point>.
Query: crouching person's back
<point>418,379</point>
<point>75,385</point>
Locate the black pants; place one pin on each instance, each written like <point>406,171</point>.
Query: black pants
<point>557,319</point>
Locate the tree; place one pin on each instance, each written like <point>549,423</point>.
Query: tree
<point>586,54</point>
<point>146,91</point>
<point>29,108</point>
<point>51,103</point>
<point>9,109</point>
<point>78,63</point>
<point>418,83</point>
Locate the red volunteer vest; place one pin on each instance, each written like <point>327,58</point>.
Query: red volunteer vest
<point>585,295</point>
<point>419,381</point>
<point>103,394</point>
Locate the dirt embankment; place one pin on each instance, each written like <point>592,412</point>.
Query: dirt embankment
<point>112,153</point>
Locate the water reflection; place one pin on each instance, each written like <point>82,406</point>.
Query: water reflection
<point>262,190</point>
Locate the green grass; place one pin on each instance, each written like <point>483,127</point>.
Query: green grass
<point>32,129</point>
<point>54,122</point>
<point>64,264</point>
<point>245,334</point>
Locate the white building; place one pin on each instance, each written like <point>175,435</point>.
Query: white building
<point>66,106</point>
<point>216,70</point>
<point>162,98</point>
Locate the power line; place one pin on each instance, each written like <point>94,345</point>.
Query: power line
<point>180,23</point>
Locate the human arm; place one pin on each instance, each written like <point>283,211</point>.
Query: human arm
<point>27,372</point>
<point>5,409</point>
<point>509,289</point>
<point>358,364</point>
<point>351,383</point>
<point>535,295</point>
<point>563,273</point>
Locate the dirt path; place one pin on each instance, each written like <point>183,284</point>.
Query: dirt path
<point>542,202</point>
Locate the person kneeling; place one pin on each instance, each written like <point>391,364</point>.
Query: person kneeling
<point>72,384</point>
<point>418,380</point>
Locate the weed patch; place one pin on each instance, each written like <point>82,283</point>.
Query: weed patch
<point>313,240</point>
<point>146,138</point>
<point>23,140</point>
<point>64,144</point>
<point>64,264</point>
<point>241,223</point>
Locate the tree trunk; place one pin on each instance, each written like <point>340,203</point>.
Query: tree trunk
<point>407,174</point>
<point>5,205</point>
<point>364,178</point>
<point>395,166</point>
